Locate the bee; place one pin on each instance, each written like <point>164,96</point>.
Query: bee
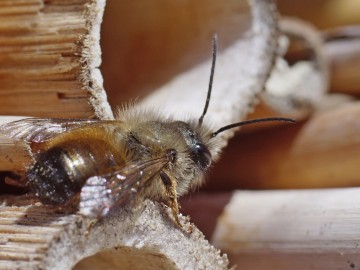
<point>108,164</point>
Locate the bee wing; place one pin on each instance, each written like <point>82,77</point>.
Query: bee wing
<point>101,194</point>
<point>42,129</point>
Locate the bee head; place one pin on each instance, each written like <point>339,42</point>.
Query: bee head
<point>198,150</point>
<point>200,144</point>
<point>201,155</point>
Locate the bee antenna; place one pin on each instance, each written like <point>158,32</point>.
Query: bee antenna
<point>253,121</point>
<point>211,79</point>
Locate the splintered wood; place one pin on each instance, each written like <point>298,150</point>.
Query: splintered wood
<point>43,69</point>
<point>25,236</point>
<point>33,236</point>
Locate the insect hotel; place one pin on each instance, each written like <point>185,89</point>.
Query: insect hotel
<point>115,129</point>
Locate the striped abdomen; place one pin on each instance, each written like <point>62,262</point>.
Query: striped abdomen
<point>59,172</point>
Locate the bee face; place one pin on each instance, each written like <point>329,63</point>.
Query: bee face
<point>192,156</point>
<point>198,151</point>
<point>182,136</point>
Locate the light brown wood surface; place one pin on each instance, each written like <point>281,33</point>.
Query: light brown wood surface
<point>292,229</point>
<point>15,156</point>
<point>322,151</point>
<point>44,46</point>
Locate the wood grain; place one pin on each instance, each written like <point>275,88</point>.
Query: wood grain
<point>297,229</point>
<point>43,47</point>
<point>15,156</point>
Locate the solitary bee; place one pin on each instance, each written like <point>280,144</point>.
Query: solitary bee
<point>109,163</point>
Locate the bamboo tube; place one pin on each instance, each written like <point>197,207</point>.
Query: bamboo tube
<point>309,229</point>
<point>323,151</point>
<point>341,48</point>
<point>343,51</point>
<point>295,88</point>
<point>324,14</point>
<point>35,236</point>
<point>154,47</point>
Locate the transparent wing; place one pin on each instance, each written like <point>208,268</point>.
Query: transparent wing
<point>42,129</point>
<point>101,194</point>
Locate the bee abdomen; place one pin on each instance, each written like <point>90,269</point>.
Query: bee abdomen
<point>51,177</point>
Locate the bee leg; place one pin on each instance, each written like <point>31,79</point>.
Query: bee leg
<point>170,195</point>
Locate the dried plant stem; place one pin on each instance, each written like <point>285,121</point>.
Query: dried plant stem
<point>323,151</point>
<point>299,229</point>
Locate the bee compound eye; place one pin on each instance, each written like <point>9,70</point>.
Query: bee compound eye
<point>202,156</point>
